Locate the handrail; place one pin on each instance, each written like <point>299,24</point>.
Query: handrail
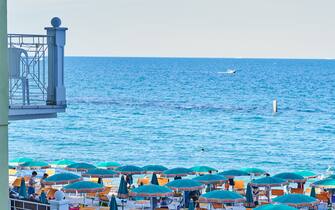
<point>16,205</point>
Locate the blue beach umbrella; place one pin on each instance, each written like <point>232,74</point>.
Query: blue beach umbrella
<point>307,174</point>
<point>31,165</point>
<point>23,189</point>
<point>203,169</point>
<point>254,171</point>
<point>150,191</point>
<point>296,200</point>
<point>268,182</point>
<point>62,178</point>
<point>291,177</point>
<point>154,180</point>
<point>211,179</point>
<point>233,173</point>
<point>129,170</point>
<point>43,197</point>
<point>100,173</point>
<point>313,193</point>
<point>185,185</point>
<point>61,163</point>
<point>108,165</point>
<point>249,197</point>
<point>154,169</point>
<point>20,160</point>
<point>275,207</point>
<point>221,196</point>
<point>83,187</point>
<point>177,172</point>
<point>80,167</point>
<point>123,190</point>
<point>113,204</point>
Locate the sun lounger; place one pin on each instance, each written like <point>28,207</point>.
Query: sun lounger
<point>297,191</point>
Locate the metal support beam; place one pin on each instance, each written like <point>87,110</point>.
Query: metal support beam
<point>4,197</point>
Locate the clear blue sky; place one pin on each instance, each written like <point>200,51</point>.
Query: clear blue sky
<point>185,28</point>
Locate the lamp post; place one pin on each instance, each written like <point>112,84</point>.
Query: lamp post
<point>4,198</point>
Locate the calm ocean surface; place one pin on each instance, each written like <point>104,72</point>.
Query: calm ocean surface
<point>163,111</point>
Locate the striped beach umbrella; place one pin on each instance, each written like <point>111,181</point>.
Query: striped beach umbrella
<point>275,207</point>
<point>254,171</point>
<point>185,185</point>
<point>20,160</point>
<point>221,196</point>
<point>62,179</point>
<point>211,179</point>
<point>80,167</point>
<point>32,165</point>
<point>154,169</point>
<point>291,177</point>
<point>203,169</point>
<point>296,200</point>
<point>123,190</point>
<point>129,170</point>
<point>233,173</point>
<point>83,187</point>
<point>100,173</point>
<point>61,163</point>
<point>108,165</point>
<point>175,172</point>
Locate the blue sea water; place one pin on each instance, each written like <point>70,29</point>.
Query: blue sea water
<point>165,110</point>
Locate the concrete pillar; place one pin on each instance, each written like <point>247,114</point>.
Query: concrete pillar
<point>4,198</point>
<point>56,42</point>
<point>59,203</point>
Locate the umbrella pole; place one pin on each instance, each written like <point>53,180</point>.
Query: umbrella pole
<point>152,203</point>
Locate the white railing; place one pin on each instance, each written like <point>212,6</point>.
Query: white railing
<point>17,204</point>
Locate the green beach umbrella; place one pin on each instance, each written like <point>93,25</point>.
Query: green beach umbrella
<point>254,171</point>
<point>129,170</point>
<point>191,205</point>
<point>233,173</point>
<point>275,207</point>
<point>34,165</point>
<point>185,185</point>
<point>296,200</point>
<point>249,197</point>
<point>113,204</point>
<point>43,197</point>
<point>108,165</point>
<point>21,160</point>
<point>123,190</point>
<point>23,189</point>
<point>307,174</point>
<point>203,169</point>
<point>154,169</point>
<point>62,178</point>
<point>100,173</point>
<point>313,193</point>
<point>154,180</point>
<point>61,163</point>
<point>325,184</point>
<point>177,172</point>
<point>221,196</point>
<point>291,177</point>
<point>268,182</point>
<point>80,167</point>
<point>211,179</point>
<point>151,190</point>
<point>83,187</point>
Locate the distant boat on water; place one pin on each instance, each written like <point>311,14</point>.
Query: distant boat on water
<point>229,71</point>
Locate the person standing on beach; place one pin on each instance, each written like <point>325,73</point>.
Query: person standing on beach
<point>42,181</point>
<point>32,182</point>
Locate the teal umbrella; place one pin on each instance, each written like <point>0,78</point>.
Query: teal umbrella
<point>307,174</point>
<point>203,169</point>
<point>233,173</point>
<point>108,165</point>
<point>11,167</point>
<point>154,179</point>
<point>62,178</point>
<point>100,173</point>
<point>23,189</point>
<point>211,179</point>
<point>325,184</point>
<point>32,165</point>
<point>154,169</point>
<point>43,197</point>
<point>191,205</point>
<point>249,197</point>
<point>80,167</point>
<point>254,171</point>
<point>83,187</point>
<point>291,177</point>
<point>123,190</point>
<point>221,196</point>
<point>177,172</point>
<point>61,163</point>
<point>313,193</point>
<point>275,207</point>
<point>268,182</point>
<point>151,190</point>
<point>185,185</point>
<point>129,170</point>
<point>113,204</point>
<point>20,160</point>
<point>296,200</point>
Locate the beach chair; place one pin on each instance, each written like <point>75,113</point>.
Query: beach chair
<point>50,171</point>
<point>239,186</point>
<point>297,191</point>
<point>323,196</point>
<point>144,181</point>
<point>103,196</point>
<point>51,193</point>
<point>277,192</point>
<point>218,206</point>
<point>11,172</point>
<point>17,182</point>
<point>94,180</point>
<point>162,181</point>
<point>88,208</point>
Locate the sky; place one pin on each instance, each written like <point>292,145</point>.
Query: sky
<point>185,28</point>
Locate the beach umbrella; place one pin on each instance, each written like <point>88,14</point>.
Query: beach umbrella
<point>11,167</point>
<point>211,179</point>
<point>154,179</point>
<point>83,187</point>
<point>61,163</point>
<point>325,184</point>
<point>113,204</point>
<point>43,197</point>
<point>313,193</point>
<point>249,197</point>
<point>154,169</point>
<point>129,170</point>
<point>275,207</point>
<point>177,172</point>
<point>21,160</point>
<point>233,173</point>
<point>296,200</point>
<point>108,165</point>
<point>254,171</point>
<point>62,178</point>
<point>221,196</point>
<point>268,182</point>
<point>307,174</point>
<point>203,169</point>
<point>185,185</point>
<point>23,189</point>
<point>80,167</point>
<point>123,190</point>
<point>191,205</point>
<point>291,177</point>
<point>32,165</point>
<point>100,173</point>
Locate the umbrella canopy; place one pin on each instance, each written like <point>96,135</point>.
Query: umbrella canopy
<point>313,193</point>
<point>154,168</point>
<point>275,207</point>
<point>185,185</point>
<point>268,182</point>
<point>21,160</point>
<point>123,190</point>
<point>34,165</point>
<point>62,178</point>
<point>177,172</point>
<point>296,200</point>
<point>233,173</point>
<point>113,204</point>
<point>221,196</point>
<point>291,177</point>
<point>100,173</point>
<point>325,183</point>
<point>80,167</point>
<point>203,169</point>
<point>129,170</point>
<point>211,179</point>
<point>23,189</point>
<point>154,180</point>
<point>249,196</point>
<point>151,190</point>
<point>43,197</point>
<point>307,174</point>
<point>83,187</point>
<point>61,163</point>
<point>254,171</point>
<point>108,165</point>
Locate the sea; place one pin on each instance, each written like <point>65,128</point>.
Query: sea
<point>190,111</point>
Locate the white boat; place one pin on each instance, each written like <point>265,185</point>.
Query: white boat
<point>229,71</point>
